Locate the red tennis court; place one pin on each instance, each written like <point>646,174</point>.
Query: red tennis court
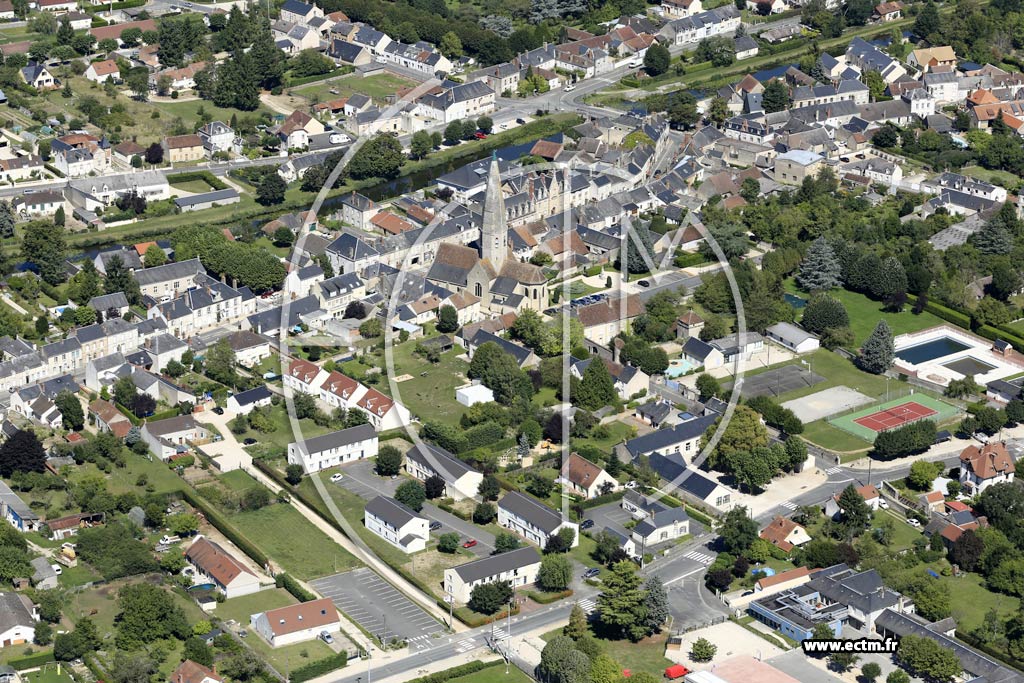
<point>896,416</point>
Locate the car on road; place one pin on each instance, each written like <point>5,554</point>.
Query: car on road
<point>521,121</point>
<point>249,442</point>
<point>336,477</point>
<point>218,411</point>
<point>470,543</point>
<point>435,525</point>
<point>591,573</point>
<point>635,63</point>
<point>326,637</point>
<point>587,524</point>
<point>644,283</point>
<point>570,87</point>
<point>912,521</point>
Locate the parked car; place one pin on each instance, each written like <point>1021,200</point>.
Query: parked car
<point>435,525</point>
<point>169,540</point>
<point>480,135</point>
<point>591,573</point>
<point>470,543</point>
<point>644,283</point>
<point>570,87</point>
<point>218,411</point>
<point>912,521</point>
<point>883,504</point>
<point>338,138</point>
<point>629,484</point>
<point>336,477</point>
<point>326,637</point>
<point>249,442</point>
<point>521,121</point>
<point>587,524</point>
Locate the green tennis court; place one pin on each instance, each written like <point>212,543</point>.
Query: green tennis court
<point>866,423</point>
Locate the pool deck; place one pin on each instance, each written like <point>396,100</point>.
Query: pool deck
<point>937,369</point>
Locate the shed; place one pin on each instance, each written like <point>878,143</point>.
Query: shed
<point>473,394</point>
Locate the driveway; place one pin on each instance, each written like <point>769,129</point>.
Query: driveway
<point>227,453</point>
<point>449,522</point>
<point>609,515</point>
<point>361,480</point>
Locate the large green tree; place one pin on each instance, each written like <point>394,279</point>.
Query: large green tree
<point>878,351</point>
<point>148,613</point>
<point>22,453</point>
<point>622,602</point>
<point>44,246</point>
<point>380,157</point>
<point>820,270</point>
<point>596,389</point>
<point>737,530</point>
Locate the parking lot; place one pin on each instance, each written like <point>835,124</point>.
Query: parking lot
<point>379,607</point>
<point>361,480</point>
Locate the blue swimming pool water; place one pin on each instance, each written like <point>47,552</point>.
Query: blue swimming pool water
<point>936,348</point>
<point>795,301</point>
<point>678,368</point>
<point>764,571</point>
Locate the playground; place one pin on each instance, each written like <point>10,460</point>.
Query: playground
<point>866,423</point>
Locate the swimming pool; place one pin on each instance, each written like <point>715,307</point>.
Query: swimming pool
<point>794,300</point>
<point>930,350</point>
<point>679,367</point>
<point>969,366</point>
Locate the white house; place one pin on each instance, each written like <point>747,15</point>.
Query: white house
<point>101,72</point>
<point>519,567</point>
<point>985,466</point>
<point>663,526</point>
<point>581,477</point>
<point>245,402</point>
<point>336,448</point>
<point>249,347</point>
<point>460,480</point>
<point>304,376</point>
<point>211,563</point>
<point>166,438</point>
<point>296,623</point>
<point>789,336</point>
<point>532,520</point>
<point>396,524</point>
<point>785,534</point>
<point>18,617</point>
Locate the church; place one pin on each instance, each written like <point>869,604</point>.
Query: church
<point>493,275</point>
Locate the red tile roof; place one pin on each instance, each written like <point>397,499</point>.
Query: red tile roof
<point>991,460</point>
<point>305,615</point>
<point>215,562</point>
<point>192,672</point>
<point>376,403</point>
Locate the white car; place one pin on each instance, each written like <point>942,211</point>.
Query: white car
<point>338,138</point>
<point>570,87</point>
<point>912,521</point>
<point>635,63</point>
<point>56,569</point>
<point>336,477</point>
<point>883,504</point>
<point>629,485</point>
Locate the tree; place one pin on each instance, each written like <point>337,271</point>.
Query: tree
<point>411,494</point>
<point>505,542</point>
<point>931,597</point>
<point>878,352</point>
<point>856,513</point>
<point>220,363</point>
<point>198,651</point>
<point>657,59</point>
<point>70,410</point>
<point>928,22</point>
<point>22,453</point>
<point>43,245</point>
<point>7,219</point>
<point>293,474</point>
<point>555,573</point>
<point>622,602</point>
<point>897,676</point>
<point>707,386</point>
<point>682,110</point>
<point>421,145</point>
<point>639,244</point>
<point>488,598</point>
<point>775,97</point>
<point>448,542</point>
<point>447,319</point>
<point>743,433</point>
<point>596,389</point>
<point>703,650</point>
<point>148,613</point>
<point>921,475</point>
<point>485,124</point>
<point>560,542</point>
<point>820,270</point>
<point>559,662</point>
<point>484,513</point>
<point>450,45</point>
<point>154,154</point>
<point>738,531</point>
<point>577,626</point>
<point>120,279</point>
<point>842,661</point>
<point>656,604</point>
<point>489,488</point>
<point>926,658</point>
<point>270,189</point>
<point>138,82</point>
<point>434,487</point>
<point>871,671</point>
<point>380,157</point>
<point>967,550</point>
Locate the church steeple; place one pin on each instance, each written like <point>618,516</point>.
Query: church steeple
<point>494,232</point>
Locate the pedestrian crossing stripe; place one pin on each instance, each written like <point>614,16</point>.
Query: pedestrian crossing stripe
<point>587,605</point>
<point>789,505</point>
<point>833,470</point>
<point>699,557</point>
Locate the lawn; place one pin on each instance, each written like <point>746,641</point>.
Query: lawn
<point>647,655</point>
<point>47,675</point>
<point>903,535</point>
<point>240,608</point>
<point>1004,178</point>
<point>376,87</point>
<point>494,674</point>
<point>196,186</point>
<point>430,394</point>
<point>283,434</point>
<point>125,479</point>
<point>617,433</point>
<point>827,436</point>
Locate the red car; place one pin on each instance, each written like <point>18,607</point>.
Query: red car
<point>470,543</point>
<point>480,136</point>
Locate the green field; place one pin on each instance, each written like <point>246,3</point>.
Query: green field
<point>376,87</point>
<point>430,394</point>
<point>196,186</point>
<point>943,412</point>
<point>995,176</point>
<point>494,674</point>
<point>240,608</point>
<point>647,655</point>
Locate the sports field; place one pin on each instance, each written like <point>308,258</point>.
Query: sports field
<point>866,423</point>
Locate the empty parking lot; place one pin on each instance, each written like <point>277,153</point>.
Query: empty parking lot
<point>379,607</point>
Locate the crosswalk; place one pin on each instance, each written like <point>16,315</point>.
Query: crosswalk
<point>500,634</point>
<point>789,505</point>
<point>588,605</point>
<point>465,645</point>
<point>698,556</point>
<point>420,642</point>
<point>834,470</point>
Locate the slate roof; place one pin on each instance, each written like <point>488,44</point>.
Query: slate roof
<point>497,564</point>
<point>391,512</point>
<point>342,437</point>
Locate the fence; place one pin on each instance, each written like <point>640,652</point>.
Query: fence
<point>849,420</point>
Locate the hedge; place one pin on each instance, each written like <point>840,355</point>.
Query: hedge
<point>207,177</point>
<point>340,71</point>
<point>1001,333</point>
<point>946,313</point>
<point>217,519</point>
<point>601,500</point>
<point>53,169</point>
<point>457,671</point>
<point>475,619</point>
<point>319,667</point>
<point>686,260</point>
<point>292,585</point>
<point>31,661</point>
<point>545,598</point>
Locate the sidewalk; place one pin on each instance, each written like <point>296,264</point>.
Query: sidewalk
<point>937,452</point>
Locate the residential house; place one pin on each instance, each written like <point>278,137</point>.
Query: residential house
<point>37,76</point>
<point>627,379</point>
<point>682,440</point>
<point>115,30</point>
<point>18,617</point>
<point>297,12</point>
<point>207,200</point>
<point>336,293</point>
<point>183,148</point>
<point>532,520</point>
<point>38,203</point>
<point>250,348</point>
<point>605,319</point>
<point>194,672</point>
<point>169,437</point>
<point>677,9</point>
<point>985,466</point>
<point>336,448</point>
<point>43,575</point>
<point>167,281</point>
<point>583,478</point>
<point>17,513</point>
<point>701,354</point>
<point>216,136</point>
<point>792,167</point>
<point>304,376</point>
<point>452,101</point>
<point>295,130</point>
<point>796,339</point>
<point>868,492</point>
<point>654,412</point>
<point>103,71</point>
<point>785,534</point>
<point>296,623</point>
<point>396,524</point>
<point>663,526</point>
<point>384,412</point>
<point>20,168</point>
<point>213,564</point>
<point>245,402</point>
<point>65,527</point>
<point>109,419</point>
<point>110,305</point>
<point>518,567</point>
<point>928,58</point>
<point>424,460</point>
<point>887,11</point>
<point>357,210</point>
